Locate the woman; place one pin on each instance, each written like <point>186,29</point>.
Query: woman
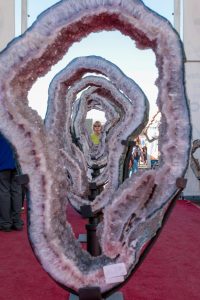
<point>95,136</point>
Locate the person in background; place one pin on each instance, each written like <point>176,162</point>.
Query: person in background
<point>144,151</point>
<point>95,136</point>
<point>10,190</point>
<point>136,153</point>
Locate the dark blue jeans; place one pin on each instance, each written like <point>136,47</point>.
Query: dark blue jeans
<point>10,199</point>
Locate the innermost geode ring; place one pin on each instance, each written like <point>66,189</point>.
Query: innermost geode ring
<point>140,201</point>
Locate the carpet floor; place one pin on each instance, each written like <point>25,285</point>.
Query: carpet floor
<point>171,271</point>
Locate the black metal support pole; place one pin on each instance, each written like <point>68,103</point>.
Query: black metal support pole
<point>94,293</point>
<point>91,293</point>
<point>87,293</point>
<point>93,246</point>
<point>130,145</point>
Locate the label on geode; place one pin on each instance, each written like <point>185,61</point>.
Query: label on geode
<point>116,279</point>
<point>115,273</point>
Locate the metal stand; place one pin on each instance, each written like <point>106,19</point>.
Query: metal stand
<point>93,247</point>
<point>90,293</point>
<point>90,238</point>
<point>130,145</point>
<point>82,238</point>
<point>93,293</point>
<point>180,183</point>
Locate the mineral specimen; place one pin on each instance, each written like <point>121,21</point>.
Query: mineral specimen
<point>133,210</point>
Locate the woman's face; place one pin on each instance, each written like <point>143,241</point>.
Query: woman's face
<point>97,129</point>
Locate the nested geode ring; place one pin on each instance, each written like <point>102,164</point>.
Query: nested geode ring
<point>133,211</point>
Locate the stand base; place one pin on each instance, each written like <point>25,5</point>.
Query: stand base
<point>115,296</point>
<point>82,238</point>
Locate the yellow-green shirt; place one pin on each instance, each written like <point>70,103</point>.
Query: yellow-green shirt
<point>95,138</point>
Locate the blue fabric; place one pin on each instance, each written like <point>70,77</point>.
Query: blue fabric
<point>7,161</point>
<point>134,168</point>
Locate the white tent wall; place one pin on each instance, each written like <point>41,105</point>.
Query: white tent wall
<point>24,15</point>
<point>191,39</point>
<point>191,29</point>
<point>177,15</point>
<point>7,22</point>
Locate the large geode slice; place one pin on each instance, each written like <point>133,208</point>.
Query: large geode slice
<point>133,211</point>
<point>115,87</point>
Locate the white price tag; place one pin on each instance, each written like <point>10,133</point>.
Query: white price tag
<point>115,272</point>
<point>115,279</point>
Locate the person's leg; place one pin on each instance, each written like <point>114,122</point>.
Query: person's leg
<point>5,200</point>
<point>135,166</point>
<point>16,202</point>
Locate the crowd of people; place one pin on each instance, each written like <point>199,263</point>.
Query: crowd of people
<point>11,193</point>
<point>139,155</point>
